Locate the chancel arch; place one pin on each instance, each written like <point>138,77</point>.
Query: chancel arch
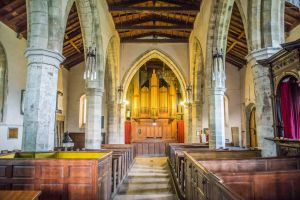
<point>153,54</point>
<point>154,99</point>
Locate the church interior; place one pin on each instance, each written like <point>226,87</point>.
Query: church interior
<point>149,99</point>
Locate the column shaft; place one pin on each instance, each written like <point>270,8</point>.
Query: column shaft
<point>40,99</point>
<point>216,118</point>
<point>93,136</point>
<point>263,100</point>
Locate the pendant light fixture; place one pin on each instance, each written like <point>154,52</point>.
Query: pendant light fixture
<point>90,72</point>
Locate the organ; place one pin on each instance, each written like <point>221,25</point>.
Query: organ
<point>153,104</point>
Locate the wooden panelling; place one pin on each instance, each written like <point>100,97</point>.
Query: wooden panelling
<point>60,178</point>
<point>151,147</point>
<point>238,178</point>
<point>24,171</point>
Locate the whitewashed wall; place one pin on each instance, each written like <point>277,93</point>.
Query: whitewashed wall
<point>16,63</point>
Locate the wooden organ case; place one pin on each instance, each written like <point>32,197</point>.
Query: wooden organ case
<point>153,110</point>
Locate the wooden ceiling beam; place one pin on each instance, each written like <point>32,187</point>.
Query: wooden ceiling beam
<point>153,33</point>
<point>153,17</point>
<point>131,2</point>
<point>182,3</point>
<point>138,9</point>
<point>185,40</point>
<point>235,42</point>
<point>177,27</point>
<point>8,7</point>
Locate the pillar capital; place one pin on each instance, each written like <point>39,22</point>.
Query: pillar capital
<point>261,54</point>
<point>44,56</point>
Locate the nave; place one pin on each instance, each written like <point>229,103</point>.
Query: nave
<point>149,178</point>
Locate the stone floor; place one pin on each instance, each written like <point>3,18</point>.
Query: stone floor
<point>149,178</point>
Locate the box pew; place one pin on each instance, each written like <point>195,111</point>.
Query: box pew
<point>181,173</point>
<point>174,148</point>
<point>243,178</point>
<point>122,159</point>
<point>59,175</point>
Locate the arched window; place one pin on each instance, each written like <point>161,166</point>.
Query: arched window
<point>2,80</point>
<point>82,111</point>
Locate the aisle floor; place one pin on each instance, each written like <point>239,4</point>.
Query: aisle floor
<point>149,178</point>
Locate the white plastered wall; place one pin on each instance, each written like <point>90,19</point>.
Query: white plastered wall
<point>17,70</point>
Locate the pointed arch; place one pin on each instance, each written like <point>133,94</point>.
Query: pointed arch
<point>140,61</point>
<point>110,83</point>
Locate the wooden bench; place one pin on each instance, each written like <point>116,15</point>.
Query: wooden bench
<point>180,171</point>
<point>59,175</point>
<point>247,178</point>
<point>123,156</point>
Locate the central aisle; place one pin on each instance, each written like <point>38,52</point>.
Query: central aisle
<point>149,178</point>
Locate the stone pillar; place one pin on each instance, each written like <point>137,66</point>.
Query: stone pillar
<point>196,121</point>
<point>216,103</point>
<point>263,92</point>
<point>112,123</point>
<point>40,99</point>
<point>93,136</point>
<point>187,117</point>
<point>121,124</point>
<point>216,118</point>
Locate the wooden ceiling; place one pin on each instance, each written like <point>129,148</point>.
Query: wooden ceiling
<point>144,21</point>
<point>237,48</point>
<point>13,14</point>
<point>154,20</point>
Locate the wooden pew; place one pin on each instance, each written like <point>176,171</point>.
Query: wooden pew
<point>59,175</point>
<point>243,178</point>
<point>180,171</point>
<point>122,159</point>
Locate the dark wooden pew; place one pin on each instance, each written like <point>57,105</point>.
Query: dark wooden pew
<point>122,159</point>
<point>59,175</point>
<point>242,178</point>
<point>178,167</point>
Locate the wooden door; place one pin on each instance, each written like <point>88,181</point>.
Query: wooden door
<point>252,128</point>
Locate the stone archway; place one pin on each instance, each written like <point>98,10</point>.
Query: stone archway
<point>198,83</point>
<point>248,111</point>
<point>110,81</point>
<point>140,61</point>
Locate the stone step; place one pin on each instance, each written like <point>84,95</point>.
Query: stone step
<point>145,188</point>
<point>148,180</point>
<point>147,197</point>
